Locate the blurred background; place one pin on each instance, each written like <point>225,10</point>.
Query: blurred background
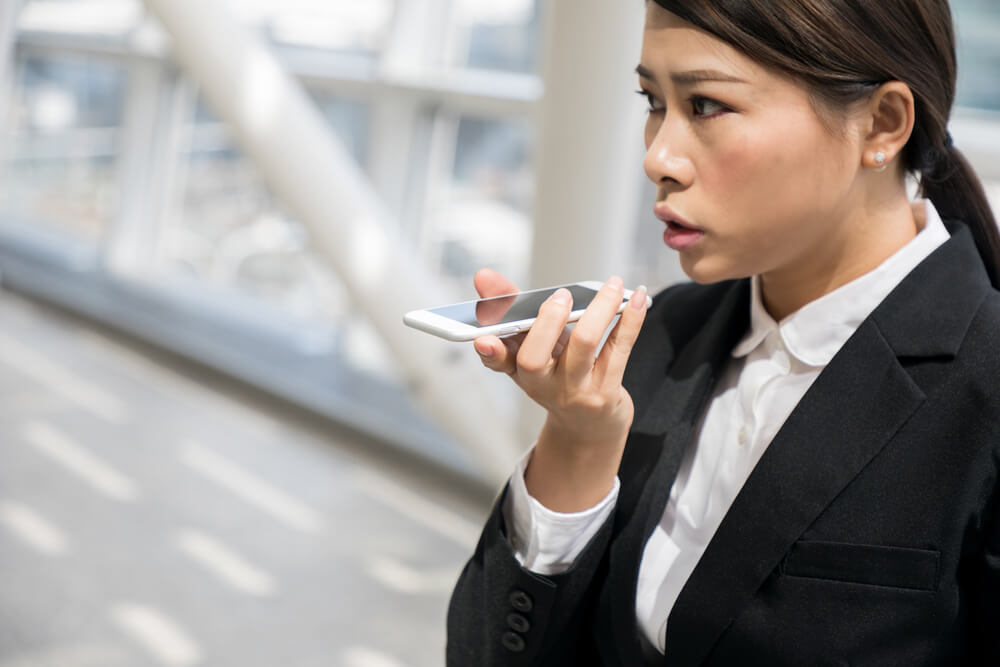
<point>220,444</point>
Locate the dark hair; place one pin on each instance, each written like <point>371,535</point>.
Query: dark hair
<point>843,50</point>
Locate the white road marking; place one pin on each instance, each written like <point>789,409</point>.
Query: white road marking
<point>30,402</point>
<point>157,634</point>
<point>218,559</point>
<point>33,529</point>
<point>80,461</point>
<point>359,656</point>
<point>252,489</point>
<point>401,578</point>
<point>431,515</point>
<point>79,655</point>
<point>59,380</point>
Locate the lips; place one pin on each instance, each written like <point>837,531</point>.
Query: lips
<point>680,233</point>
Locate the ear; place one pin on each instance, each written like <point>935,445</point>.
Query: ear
<point>889,117</point>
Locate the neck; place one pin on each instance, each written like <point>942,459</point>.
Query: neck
<point>863,241</point>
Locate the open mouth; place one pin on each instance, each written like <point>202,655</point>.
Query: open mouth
<point>673,225</point>
<point>679,235</point>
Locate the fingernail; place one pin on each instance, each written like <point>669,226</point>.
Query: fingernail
<point>615,282</point>
<point>483,349</point>
<point>562,296</point>
<point>638,300</point>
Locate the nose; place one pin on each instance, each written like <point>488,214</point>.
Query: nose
<point>666,164</point>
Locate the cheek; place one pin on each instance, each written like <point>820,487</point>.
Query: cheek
<point>740,172</point>
<point>774,173</point>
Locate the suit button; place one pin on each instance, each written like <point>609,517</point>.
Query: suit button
<point>512,642</point>
<point>521,601</point>
<point>518,622</point>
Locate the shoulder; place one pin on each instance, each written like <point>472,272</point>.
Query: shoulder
<point>980,342</point>
<point>989,311</point>
<point>960,380</point>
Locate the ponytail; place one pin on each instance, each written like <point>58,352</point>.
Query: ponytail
<point>956,192</point>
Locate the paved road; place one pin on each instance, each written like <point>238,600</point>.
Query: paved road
<point>154,514</point>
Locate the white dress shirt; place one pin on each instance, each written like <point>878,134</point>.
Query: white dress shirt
<point>769,371</point>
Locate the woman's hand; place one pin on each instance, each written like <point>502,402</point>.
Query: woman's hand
<point>589,412</point>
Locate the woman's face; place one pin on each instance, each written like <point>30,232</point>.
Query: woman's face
<point>749,180</point>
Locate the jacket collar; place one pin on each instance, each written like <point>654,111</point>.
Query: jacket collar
<point>815,332</point>
<point>928,314</point>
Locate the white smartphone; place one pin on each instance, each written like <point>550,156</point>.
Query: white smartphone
<point>501,315</point>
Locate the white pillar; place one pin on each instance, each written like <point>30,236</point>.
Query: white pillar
<point>590,147</point>
<point>276,124</point>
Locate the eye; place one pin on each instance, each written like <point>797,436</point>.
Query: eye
<point>654,104</point>
<point>704,107</point>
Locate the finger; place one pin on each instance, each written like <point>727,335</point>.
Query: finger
<point>491,283</point>
<point>498,354</point>
<point>614,356</point>
<point>513,345</point>
<point>561,343</point>
<point>536,351</point>
<point>589,331</point>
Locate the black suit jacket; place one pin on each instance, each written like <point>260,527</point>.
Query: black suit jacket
<point>867,534</point>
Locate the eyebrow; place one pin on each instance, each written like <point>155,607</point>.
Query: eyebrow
<point>692,76</point>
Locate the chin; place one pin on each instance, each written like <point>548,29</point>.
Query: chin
<point>705,272</point>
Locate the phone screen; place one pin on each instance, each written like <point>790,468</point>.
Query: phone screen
<point>513,308</point>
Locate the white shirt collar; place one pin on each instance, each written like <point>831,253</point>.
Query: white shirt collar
<point>814,333</point>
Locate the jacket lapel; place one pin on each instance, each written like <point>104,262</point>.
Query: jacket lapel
<point>668,410</point>
<point>783,495</point>
<point>851,412</point>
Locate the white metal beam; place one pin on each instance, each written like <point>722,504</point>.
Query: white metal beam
<point>314,175</point>
<point>130,242</point>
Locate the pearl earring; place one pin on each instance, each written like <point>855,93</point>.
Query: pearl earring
<point>880,161</point>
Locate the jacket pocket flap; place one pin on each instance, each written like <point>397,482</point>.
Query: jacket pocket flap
<point>898,567</point>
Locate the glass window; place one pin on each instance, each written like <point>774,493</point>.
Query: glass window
<point>499,35</point>
<point>977,23</point>
<point>480,215</point>
<point>90,17</point>
<point>353,28</point>
<point>60,169</point>
<point>228,230</point>
<point>349,119</point>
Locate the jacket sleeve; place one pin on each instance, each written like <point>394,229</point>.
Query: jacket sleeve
<point>502,614</point>
<point>544,541</point>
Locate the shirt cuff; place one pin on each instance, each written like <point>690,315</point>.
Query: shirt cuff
<point>544,541</point>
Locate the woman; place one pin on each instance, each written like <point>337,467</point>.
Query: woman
<point>793,460</point>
